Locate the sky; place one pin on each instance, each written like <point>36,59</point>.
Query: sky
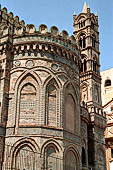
<point>60,14</point>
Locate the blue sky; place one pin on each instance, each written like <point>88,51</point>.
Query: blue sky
<point>60,14</point>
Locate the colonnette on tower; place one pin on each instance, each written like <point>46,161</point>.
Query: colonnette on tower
<point>50,98</point>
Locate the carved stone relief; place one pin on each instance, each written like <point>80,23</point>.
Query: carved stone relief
<point>54,67</point>
<point>17,63</point>
<point>29,63</point>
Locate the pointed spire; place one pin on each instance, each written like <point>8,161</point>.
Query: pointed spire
<point>88,6</point>
<point>96,14</point>
<point>74,13</point>
<point>85,8</point>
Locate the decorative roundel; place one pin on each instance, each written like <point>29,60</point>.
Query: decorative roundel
<point>29,63</point>
<point>54,67</point>
<point>17,63</point>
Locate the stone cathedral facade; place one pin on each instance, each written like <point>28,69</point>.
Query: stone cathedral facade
<point>51,116</point>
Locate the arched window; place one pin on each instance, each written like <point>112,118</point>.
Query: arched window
<point>70,113</point>
<point>93,41</point>
<point>81,24</point>
<point>27,103</point>
<point>107,82</point>
<point>70,161</point>
<point>83,156</point>
<point>94,66</point>
<point>51,105</point>
<point>83,64</point>
<point>82,41</point>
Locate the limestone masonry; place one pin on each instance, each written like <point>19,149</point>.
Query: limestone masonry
<point>51,114</point>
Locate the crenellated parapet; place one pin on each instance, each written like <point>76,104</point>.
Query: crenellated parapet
<point>97,116</point>
<point>27,41</point>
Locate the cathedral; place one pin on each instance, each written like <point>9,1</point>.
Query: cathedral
<point>51,114</point>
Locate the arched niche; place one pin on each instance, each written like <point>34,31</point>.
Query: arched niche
<point>70,108</point>
<point>101,156</point>
<point>27,101</point>
<point>51,103</point>
<point>70,161</point>
<point>70,113</point>
<point>25,158</point>
<point>107,83</point>
<point>25,155</point>
<point>51,157</point>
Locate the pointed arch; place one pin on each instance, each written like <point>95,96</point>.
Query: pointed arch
<point>52,99</point>
<point>25,149</point>
<point>25,74</point>
<point>52,154</point>
<point>101,155</point>
<point>70,108</point>
<point>28,95</point>
<point>53,142</point>
<point>72,158</point>
<point>27,100</point>
<point>73,89</point>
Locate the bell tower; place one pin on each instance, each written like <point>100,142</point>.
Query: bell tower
<point>87,35</point>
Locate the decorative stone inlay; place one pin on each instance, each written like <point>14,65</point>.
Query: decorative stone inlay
<point>29,63</point>
<point>54,67</point>
<point>17,63</point>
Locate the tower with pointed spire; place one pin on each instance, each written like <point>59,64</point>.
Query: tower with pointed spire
<point>87,35</point>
